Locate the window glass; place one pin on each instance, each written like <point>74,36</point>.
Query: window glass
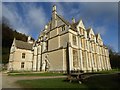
<point>75,58</point>
<point>22,64</point>
<point>63,27</point>
<point>74,40</point>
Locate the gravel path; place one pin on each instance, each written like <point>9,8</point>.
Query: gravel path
<point>9,81</point>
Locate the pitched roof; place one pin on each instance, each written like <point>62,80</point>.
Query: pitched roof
<point>65,21</point>
<point>72,26</point>
<point>23,45</point>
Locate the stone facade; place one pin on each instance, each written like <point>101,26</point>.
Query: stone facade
<point>63,46</point>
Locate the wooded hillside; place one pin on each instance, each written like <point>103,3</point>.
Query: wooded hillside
<point>8,35</point>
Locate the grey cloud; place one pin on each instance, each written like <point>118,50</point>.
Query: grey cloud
<point>31,21</point>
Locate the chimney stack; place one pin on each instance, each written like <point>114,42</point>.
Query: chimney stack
<point>54,8</point>
<point>54,12</point>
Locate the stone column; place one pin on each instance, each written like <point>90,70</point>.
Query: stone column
<point>99,61</point>
<point>35,59</point>
<point>100,57</point>
<point>86,60</point>
<point>39,62</point>
<point>79,47</point>
<point>81,60</point>
<point>91,56</point>
<point>70,58</point>
<point>39,58</point>
<point>92,61</point>
<point>44,46</point>
<point>104,58</point>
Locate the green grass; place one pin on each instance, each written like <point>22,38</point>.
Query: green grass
<point>108,71</point>
<point>98,82</point>
<point>28,73</point>
<point>35,74</point>
<point>49,83</point>
<point>103,81</point>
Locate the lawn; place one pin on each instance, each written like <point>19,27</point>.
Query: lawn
<point>35,74</point>
<point>55,73</point>
<point>99,82</point>
<point>108,71</point>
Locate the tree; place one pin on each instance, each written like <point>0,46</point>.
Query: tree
<point>8,35</point>
<point>114,58</point>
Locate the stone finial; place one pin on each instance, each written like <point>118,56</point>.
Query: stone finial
<point>73,20</point>
<point>29,38</point>
<point>46,26</point>
<point>54,7</point>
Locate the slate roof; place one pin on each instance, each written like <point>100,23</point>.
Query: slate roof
<point>65,21</point>
<point>23,45</point>
<point>72,26</point>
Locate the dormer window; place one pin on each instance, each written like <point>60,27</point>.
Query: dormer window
<point>63,27</point>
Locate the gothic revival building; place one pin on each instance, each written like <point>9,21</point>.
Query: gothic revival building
<point>61,46</point>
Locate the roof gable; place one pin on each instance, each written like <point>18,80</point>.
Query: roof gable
<point>90,31</point>
<point>80,24</point>
<point>98,36</point>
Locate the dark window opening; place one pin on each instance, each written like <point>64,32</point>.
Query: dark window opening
<point>23,55</point>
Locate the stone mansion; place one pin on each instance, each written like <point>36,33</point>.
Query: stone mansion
<point>61,46</point>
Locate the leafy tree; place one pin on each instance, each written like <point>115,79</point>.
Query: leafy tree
<point>114,58</point>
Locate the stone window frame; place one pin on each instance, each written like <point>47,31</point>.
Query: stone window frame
<point>81,31</point>
<point>63,27</point>
<point>47,45</point>
<point>75,58</point>
<point>83,59</point>
<point>22,64</point>
<point>74,39</point>
<point>23,55</point>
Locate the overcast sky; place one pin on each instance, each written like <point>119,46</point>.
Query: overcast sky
<point>30,17</point>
